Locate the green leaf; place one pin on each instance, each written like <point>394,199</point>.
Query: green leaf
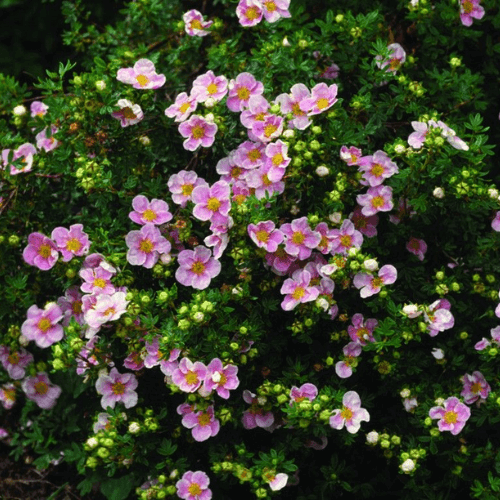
<point>117,489</point>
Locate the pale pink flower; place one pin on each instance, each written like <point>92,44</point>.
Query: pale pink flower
<point>189,376</point>
<point>41,390</point>
<point>209,86</point>
<point>241,89</point>
<point>417,247</point>
<point>275,9</point>
<point>367,225</point>
<point>194,24</point>
<point>469,10</point>
<point>300,239</point>
<point>416,139</point>
<point>47,143</point>
<point>212,203</point>
<point>102,422</point>
<point>327,238</point>
<point>97,280</point>
<point>376,168</point>
<point>15,362</point>
<point>484,343</point>
<point>450,135</point>
<point>260,181</point>
<point>38,108</point>
<point>265,235</point>
<point>268,129</point>
<point>183,106</point>
<point>71,242</point>
<point>42,325</point>
<point>128,114</point>
<point>323,97</point>
<point>219,239</point>
<point>257,111</point>
<point>198,132</point>
<point>376,199</point>
<point>351,155</point>
<point>25,153</point>
<point>351,415</point>
<point>290,103</point>
<point>194,486</point>
<point>250,155</point>
<point>8,395</point>
<point>197,267</point>
<point>221,378</point>
<point>249,13</point>
<point>41,252</point>
<point>305,391</point>
<point>276,481</point>
<point>182,185</point>
<point>106,308</point>
<point>280,260</point>
<point>142,76</point>
<point>203,424</point>
<point>370,285</point>
<point>117,388</point>
<point>331,72</point>
<point>229,171</point>
<point>495,223</point>
<point>149,212</point>
<point>439,317</point>
<point>396,57</point>
<point>345,238</point>
<point>361,331</point>
<point>410,404</point>
<point>298,290</point>
<point>255,416</point>
<point>146,246</point>
<point>168,365</point>
<point>453,415</point>
<point>344,367</point>
<point>475,388</point>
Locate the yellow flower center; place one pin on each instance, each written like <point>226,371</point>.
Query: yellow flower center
<point>260,117</point>
<point>109,311</point>
<point>44,324</point>
<point>239,198</point>
<point>44,251</point>
<point>468,7</point>
<point>204,419</point>
<point>184,107</point>
<point>377,282</point>
<point>235,172</point>
<point>346,240</point>
<point>346,413</point>
<point>10,394</point>
<point>128,113</point>
<point>213,204</point>
<point>118,388</point>
<point>270,129</point>
<point>378,201</point>
<point>265,180</point>
<point>146,246</point>
<point>191,377</point>
<point>212,88</point>
<point>198,132</point>
<point>296,110</point>
<point>298,293</point>
<point>198,268</point>
<point>362,333</point>
<point>270,6</point>
<point>322,103</point>
<point>76,306</point>
<point>99,282</point>
<point>377,169</point>
<point>73,245</point>
<point>262,235</point>
<point>252,13</point>
<point>450,417</point>
<point>13,358</point>
<point>41,388</point>
<point>277,159</point>
<point>254,155</point>
<point>243,93</point>
<point>298,238</point>
<point>149,215</point>
<point>142,80</point>
<point>394,63</point>
<point>194,489</point>
<point>195,24</point>
<point>476,388</point>
<point>187,189</point>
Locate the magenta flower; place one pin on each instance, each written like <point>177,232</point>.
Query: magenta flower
<point>350,155</point>
<point>38,108</point>
<point>484,342</point>
<point>280,261</point>
<point>275,9</point>
<point>249,13</point>
<point>129,113</point>
<point>300,239</point>
<point>298,290</point>
<point>71,242</point>
<point>117,388</point>
<point>376,168</point>
<point>397,56</point>
<point>351,415</point>
<point>291,103</point>
<point>203,424</point>
<point>376,199</point>
<point>265,235</point>
<point>209,86</point>
<point>212,203</point>
<point>345,238</point>
<point>242,88</point>
<point>142,76</point>
<point>323,97</point>
<point>146,212</point>
<point>198,132</point>
<point>453,415</point>
<point>41,252</point>
<point>189,376</point>
<point>24,152</point>
<point>470,9</point>
<point>221,378</point>
<point>42,325</point>
<point>194,25</point>
<point>8,395</point>
<point>97,280</point>
<point>360,331</point>
<point>197,267</point>
<point>183,106</point>
<point>366,225</point>
<point>146,246</point>
<point>106,308</point>
<point>344,367</point>
<point>305,391</point>
<point>40,390</point>
<point>194,486</point>
<point>417,247</point>
<point>255,416</point>
<point>475,387</point>
<point>371,285</point>
<point>15,362</point>
<point>182,184</point>
<point>133,361</point>
<point>47,143</point>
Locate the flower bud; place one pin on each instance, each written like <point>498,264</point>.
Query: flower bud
<point>19,110</point>
<point>438,193</point>
<point>322,171</point>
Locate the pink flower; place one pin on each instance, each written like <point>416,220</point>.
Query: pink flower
<point>291,103</point>
<point>212,203</point>
<point>43,326</point>
<point>189,376</point>
<point>145,211</point>
<point>276,481</point>
<point>484,343</point>
<point>396,58</point>
<point>97,280</point>
<point>275,9</point>
<point>242,88</point>
<point>300,239</point>
<point>475,387</point>
<point>25,153</point>
<point>72,242</point>
<point>416,139</point>
<point>194,486</point>
<point>265,235</point>
<point>495,223</point>
<point>450,135</point>
<point>141,76</point>
<point>351,415</point>
<point>15,362</point>
<point>203,424</point>
<point>351,351</point>
<point>209,86</point>
<point>198,132</point>
<point>106,308</point>
<point>167,365</point>
<point>255,416</point>
<point>40,390</point>
<point>327,238</point>
<point>129,113</point>
<point>182,184</point>
<point>117,388</point>
<point>376,199</point>
<point>439,317</point>
<point>249,13</point>
<point>133,361</point>
<point>345,238</point>
<point>194,25</point>
<point>280,260</point>
<point>366,225</point>
<point>268,129</point>
<point>41,252</point>
<point>250,155</point>
<point>417,247</point>
<point>470,9</point>
<point>331,72</point>
<point>146,246</point>
<point>8,395</point>
<point>221,378</point>
<point>38,108</point>
<point>102,422</point>
<point>371,285</point>
<point>323,97</point>
<point>260,180</point>
<point>47,143</point>
<point>305,391</point>
<point>376,168</point>
<point>197,267</point>
<point>298,290</point>
<point>410,404</point>
<point>362,332</point>
<point>257,111</point>
<point>453,415</point>
<point>184,105</point>
<point>350,155</point>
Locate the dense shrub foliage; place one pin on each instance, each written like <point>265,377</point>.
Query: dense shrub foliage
<point>251,249</point>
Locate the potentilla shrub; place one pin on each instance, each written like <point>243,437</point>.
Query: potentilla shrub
<point>251,249</point>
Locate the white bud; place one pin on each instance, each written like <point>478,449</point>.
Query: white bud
<point>335,217</point>
<point>323,304</point>
<point>370,264</point>
<point>399,148</point>
<point>100,85</point>
<point>438,353</point>
<point>408,465</point>
<point>92,442</point>
<point>439,401</point>
<point>411,310</point>
<point>438,193</point>
<point>288,134</point>
<point>372,437</point>
<point>144,140</point>
<point>198,317</point>
<point>134,427</point>
<point>285,42</point>
<point>262,400</point>
<point>493,193</point>
<point>19,110</point>
<point>216,377</point>
<point>23,341</point>
<point>210,117</point>
<point>294,210</point>
<point>353,251</point>
<point>322,171</point>
<point>210,102</point>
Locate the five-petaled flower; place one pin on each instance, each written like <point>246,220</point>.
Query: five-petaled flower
<point>351,414</point>
<point>42,325</point>
<point>40,390</point>
<point>117,388</point>
<point>452,415</point>
<point>198,132</point>
<point>142,76</point>
<point>194,486</point>
<point>197,267</point>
